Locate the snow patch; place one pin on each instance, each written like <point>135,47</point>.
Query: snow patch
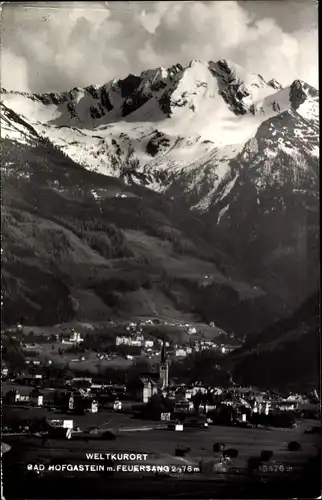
<point>229,187</point>
<point>222,213</point>
<point>315,151</point>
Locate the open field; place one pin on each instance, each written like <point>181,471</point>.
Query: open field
<point>116,419</point>
<point>160,447</point>
<point>52,351</point>
<point>249,442</point>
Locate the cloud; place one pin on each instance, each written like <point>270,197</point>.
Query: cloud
<point>217,30</point>
<point>151,20</point>
<point>61,48</point>
<point>49,49</point>
<point>14,73</point>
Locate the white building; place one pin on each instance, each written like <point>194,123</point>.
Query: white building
<point>197,389</point>
<point>4,371</point>
<point>29,346</point>
<point>188,394</point>
<point>131,341</point>
<point>136,343</point>
<point>19,398</point>
<point>35,362</point>
<point>192,330</point>
<point>75,338</point>
<point>94,407</point>
<point>131,327</point>
<point>122,340</point>
<point>77,380</point>
<point>65,424</point>
<point>225,349</point>
<point>180,352</point>
<point>167,344</point>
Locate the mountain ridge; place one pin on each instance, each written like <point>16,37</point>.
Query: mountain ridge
<point>171,109</point>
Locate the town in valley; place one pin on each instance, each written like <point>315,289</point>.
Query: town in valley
<point>141,416</point>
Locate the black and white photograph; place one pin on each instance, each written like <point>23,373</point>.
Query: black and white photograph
<point>160,263</point>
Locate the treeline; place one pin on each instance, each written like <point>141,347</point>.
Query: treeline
<point>104,238</point>
<point>158,220</point>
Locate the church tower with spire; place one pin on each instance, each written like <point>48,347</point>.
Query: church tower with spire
<point>164,368</point>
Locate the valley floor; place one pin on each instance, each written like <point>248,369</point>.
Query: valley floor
<point>160,446</point>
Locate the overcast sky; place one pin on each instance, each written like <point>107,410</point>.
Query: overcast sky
<point>54,46</point>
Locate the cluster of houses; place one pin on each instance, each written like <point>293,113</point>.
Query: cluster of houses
<point>68,337</point>
<point>227,404</point>
<point>87,394</point>
<point>222,406</point>
<point>136,340</point>
<point>203,345</point>
<point>151,346</point>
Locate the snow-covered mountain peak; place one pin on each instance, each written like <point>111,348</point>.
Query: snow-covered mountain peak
<point>183,122</point>
<point>231,72</point>
<point>190,93</point>
<point>239,88</point>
